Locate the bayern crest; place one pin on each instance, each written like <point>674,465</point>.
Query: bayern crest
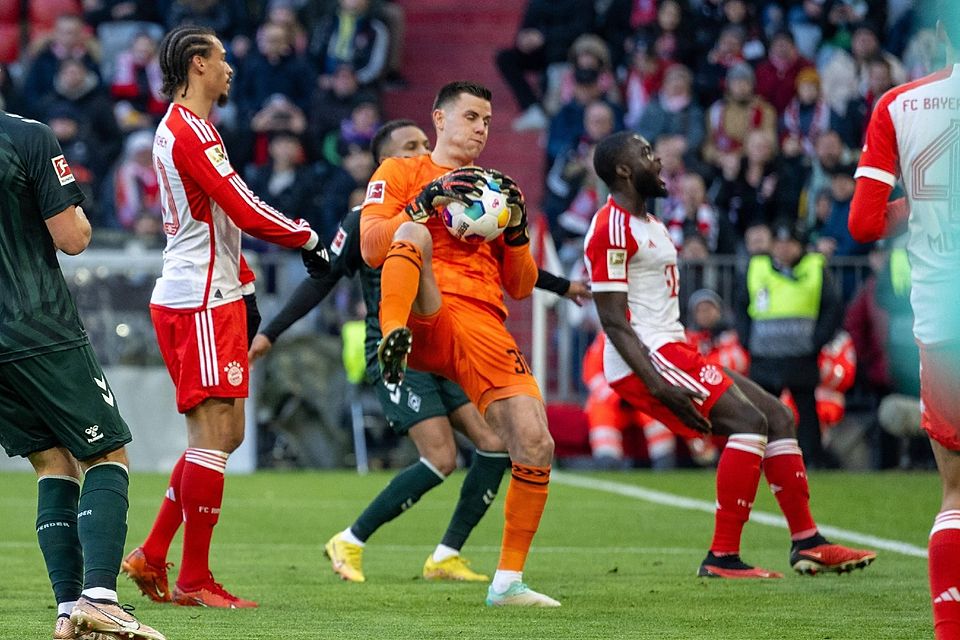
<point>711,374</point>
<point>234,373</point>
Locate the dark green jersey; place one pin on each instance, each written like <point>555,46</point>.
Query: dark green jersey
<point>37,313</point>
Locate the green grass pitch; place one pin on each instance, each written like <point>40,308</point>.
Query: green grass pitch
<point>622,567</point>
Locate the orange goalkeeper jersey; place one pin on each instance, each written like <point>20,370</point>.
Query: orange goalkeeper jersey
<point>478,271</point>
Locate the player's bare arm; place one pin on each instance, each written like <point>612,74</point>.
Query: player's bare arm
<point>70,230</point>
<point>612,309</point>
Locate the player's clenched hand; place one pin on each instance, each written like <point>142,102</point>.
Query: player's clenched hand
<point>316,261</point>
<point>680,401</point>
<point>579,292</point>
<point>259,347</point>
<point>457,185</point>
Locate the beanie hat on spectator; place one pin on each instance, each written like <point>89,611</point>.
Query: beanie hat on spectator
<point>704,295</point>
<point>808,74</point>
<point>741,71</point>
<point>786,230</point>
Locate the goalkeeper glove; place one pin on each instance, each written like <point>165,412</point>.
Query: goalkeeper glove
<point>253,316</point>
<point>457,185</point>
<point>515,234</point>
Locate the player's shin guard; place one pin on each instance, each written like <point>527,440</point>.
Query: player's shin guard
<point>738,474</point>
<point>406,488</point>
<point>401,269</point>
<point>201,494</point>
<point>57,499</point>
<point>944,563</point>
<point>102,525</point>
<point>526,497</point>
<point>476,495</point>
<point>787,477</point>
<point>169,519</point>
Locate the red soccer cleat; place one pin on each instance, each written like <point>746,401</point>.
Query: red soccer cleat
<point>732,567</point>
<point>150,578</point>
<point>834,558</point>
<point>211,594</point>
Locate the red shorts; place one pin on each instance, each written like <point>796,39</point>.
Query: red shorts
<point>680,365</point>
<point>205,351</point>
<point>467,342</point>
<point>940,393</point>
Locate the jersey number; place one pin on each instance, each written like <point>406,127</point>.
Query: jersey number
<point>171,218</point>
<point>673,279</point>
<point>520,365</point>
<point>922,187</point>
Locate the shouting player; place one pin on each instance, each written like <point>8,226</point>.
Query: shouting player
<point>633,269</point>
<point>446,297</point>
<point>198,311</point>
<point>914,134</point>
<point>423,407</point>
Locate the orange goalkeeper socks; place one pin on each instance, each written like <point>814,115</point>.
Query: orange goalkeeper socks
<point>526,497</point>
<point>399,283</point>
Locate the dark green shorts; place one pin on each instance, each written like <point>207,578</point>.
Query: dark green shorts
<point>421,396</point>
<point>59,399</point>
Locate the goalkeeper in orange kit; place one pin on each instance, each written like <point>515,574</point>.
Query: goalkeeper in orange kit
<point>442,307</point>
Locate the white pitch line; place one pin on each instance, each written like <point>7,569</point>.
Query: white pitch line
<point>761,517</point>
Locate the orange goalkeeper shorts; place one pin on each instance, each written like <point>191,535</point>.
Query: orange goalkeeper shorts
<point>467,342</point>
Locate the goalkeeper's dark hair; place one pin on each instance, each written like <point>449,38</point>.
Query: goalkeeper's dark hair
<point>610,152</point>
<point>382,135</point>
<point>177,50</point>
<point>452,90</point>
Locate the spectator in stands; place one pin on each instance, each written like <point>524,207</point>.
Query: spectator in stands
<point>692,215</point>
<point>333,102</point>
<point>566,126</point>
<point>81,152</point>
<point>137,84</point>
<point>667,38</point>
<point>546,34</point>
<point>740,13</point>
<point>777,75</point>
<point>96,12</point>
<point>227,18</point>
<point>670,150</point>
<point>616,21</point>
<point>287,181</point>
<point>644,79</point>
<point>829,153</point>
<point>278,114</point>
<point>748,191</point>
<point>847,75</point>
<point>353,36</point>
<point>69,41</point>
<point>675,112</point>
<point>283,12</point>
<point>807,115</point>
<point>835,238</point>
<point>136,190</point>
<point>714,69</point>
<point>572,169</point>
<point>355,131</point>
<point>709,328</point>
<point>587,52</point>
<point>78,88</point>
<point>274,68</point>
<point>341,181</point>
<point>729,119</point>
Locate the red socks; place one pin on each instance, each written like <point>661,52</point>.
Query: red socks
<point>168,519</point>
<point>526,497</point>
<point>787,477</point>
<point>738,474</point>
<point>201,493</point>
<point>944,564</point>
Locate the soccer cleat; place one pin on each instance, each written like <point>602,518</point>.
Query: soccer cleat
<point>519,594</point>
<point>828,557</point>
<point>392,354</point>
<point>109,618</point>
<point>151,579</point>
<point>64,630</point>
<point>346,558</point>
<point>731,566</point>
<point>213,595</point>
<point>452,568</point>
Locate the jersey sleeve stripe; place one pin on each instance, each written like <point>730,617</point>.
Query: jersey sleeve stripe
<point>197,128</point>
<point>604,287</point>
<point>263,208</point>
<point>877,174</point>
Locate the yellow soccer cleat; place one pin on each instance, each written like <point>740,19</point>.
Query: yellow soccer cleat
<point>452,568</point>
<point>346,558</point>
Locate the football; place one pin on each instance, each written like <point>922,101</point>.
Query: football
<point>483,220</point>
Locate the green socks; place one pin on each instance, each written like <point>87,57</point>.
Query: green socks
<point>57,498</point>
<point>102,520</point>
<point>476,495</point>
<point>404,490</point>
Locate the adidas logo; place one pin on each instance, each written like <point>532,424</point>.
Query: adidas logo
<point>950,595</point>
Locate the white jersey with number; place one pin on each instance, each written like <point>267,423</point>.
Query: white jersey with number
<point>914,134</point>
<point>205,206</point>
<point>636,256</point>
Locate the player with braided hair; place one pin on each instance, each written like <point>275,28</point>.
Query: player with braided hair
<point>201,307</point>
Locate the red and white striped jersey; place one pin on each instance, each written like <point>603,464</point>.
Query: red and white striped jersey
<point>205,207</point>
<point>636,256</point>
<point>914,134</point>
